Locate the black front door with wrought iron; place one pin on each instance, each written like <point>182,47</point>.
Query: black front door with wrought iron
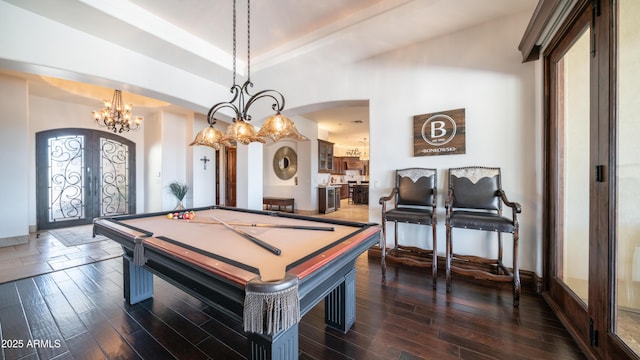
<point>82,174</point>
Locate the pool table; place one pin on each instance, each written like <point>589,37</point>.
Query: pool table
<point>220,257</point>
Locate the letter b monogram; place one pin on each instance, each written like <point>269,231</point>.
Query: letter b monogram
<point>438,130</point>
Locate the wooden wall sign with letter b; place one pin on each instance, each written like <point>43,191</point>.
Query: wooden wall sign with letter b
<point>441,133</point>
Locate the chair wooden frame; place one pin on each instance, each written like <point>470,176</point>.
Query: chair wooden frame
<point>480,212</point>
<point>415,204</point>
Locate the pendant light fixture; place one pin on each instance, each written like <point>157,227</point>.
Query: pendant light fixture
<point>276,127</point>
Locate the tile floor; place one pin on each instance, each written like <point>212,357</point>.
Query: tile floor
<point>349,212</point>
<point>44,253</point>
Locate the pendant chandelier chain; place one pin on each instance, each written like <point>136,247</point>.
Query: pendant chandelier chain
<point>249,40</point>
<point>234,43</point>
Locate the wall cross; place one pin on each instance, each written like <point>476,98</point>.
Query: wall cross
<point>205,160</point>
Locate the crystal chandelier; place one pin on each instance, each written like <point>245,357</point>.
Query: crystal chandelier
<point>116,115</point>
<point>276,127</point>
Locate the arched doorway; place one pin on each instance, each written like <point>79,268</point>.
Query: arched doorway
<point>82,174</point>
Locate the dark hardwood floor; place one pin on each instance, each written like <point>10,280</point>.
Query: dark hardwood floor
<point>79,313</point>
<point>68,304</point>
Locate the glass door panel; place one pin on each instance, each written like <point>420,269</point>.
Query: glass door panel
<point>573,133</point>
<point>627,310</point>
<point>114,178</point>
<point>66,192</point>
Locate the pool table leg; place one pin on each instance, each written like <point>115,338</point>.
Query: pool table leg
<point>138,282</point>
<point>340,304</point>
<point>283,345</point>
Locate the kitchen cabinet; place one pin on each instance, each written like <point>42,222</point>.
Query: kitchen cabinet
<point>343,163</point>
<point>344,191</point>
<point>340,163</point>
<point>325,156</point>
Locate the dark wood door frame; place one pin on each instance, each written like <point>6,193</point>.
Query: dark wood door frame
<point>217,177</point>
<point>592,327</point>
<point>230,176</point>
<point>562,299</point>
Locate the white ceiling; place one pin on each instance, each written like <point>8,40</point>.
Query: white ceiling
<point>196,35</point>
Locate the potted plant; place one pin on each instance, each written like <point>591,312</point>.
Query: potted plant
<point>179,190</point>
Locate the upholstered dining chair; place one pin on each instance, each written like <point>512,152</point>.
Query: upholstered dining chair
<point>474,201</point>
<point>414,201</point>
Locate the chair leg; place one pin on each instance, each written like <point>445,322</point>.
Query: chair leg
<point>383,249</point>
<point>516,270</point>
<point>500,272</point>
<point>434,261</point>
<point>395,236</point>
<point>449,253</point>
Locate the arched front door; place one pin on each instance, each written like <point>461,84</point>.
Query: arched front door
<point>82,174</point>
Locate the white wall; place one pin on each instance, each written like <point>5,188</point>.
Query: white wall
<point>169,159</point>
<point>204,180</point>
<point>249,176</point>
<point>152,151</point>
<point>14,163</point>
<point>174,158</point>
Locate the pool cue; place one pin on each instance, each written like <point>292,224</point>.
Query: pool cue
<point>279,226</point>
<point>250,237</point>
